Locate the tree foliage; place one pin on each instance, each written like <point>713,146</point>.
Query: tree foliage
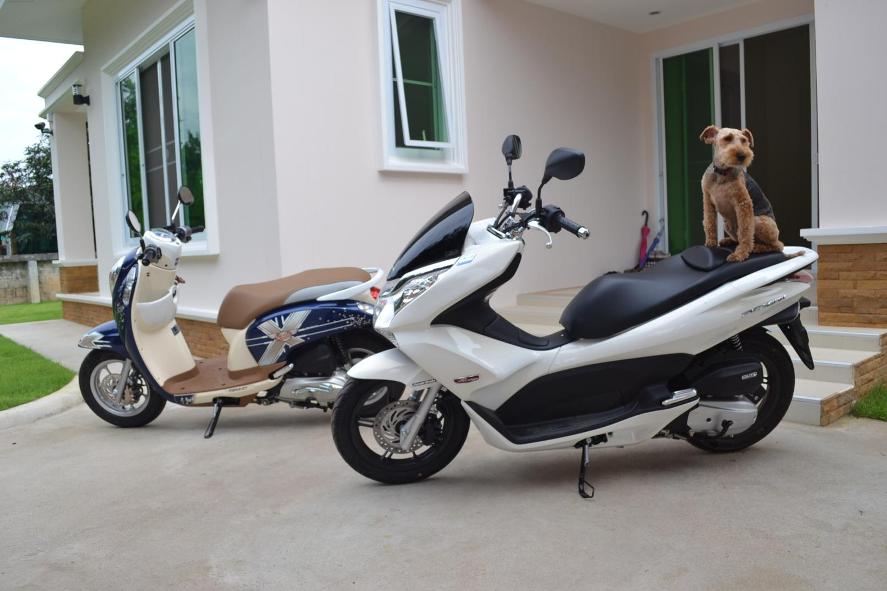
<point>28,182</point>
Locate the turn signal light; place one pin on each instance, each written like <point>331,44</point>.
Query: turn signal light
<point>374,293</point>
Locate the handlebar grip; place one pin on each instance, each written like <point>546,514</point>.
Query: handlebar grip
<point>573,228</point>
<point>198,229</point>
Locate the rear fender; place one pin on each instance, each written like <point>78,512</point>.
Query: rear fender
<point>393,366</point>
<point>105,337</point>
<point>789,322</point>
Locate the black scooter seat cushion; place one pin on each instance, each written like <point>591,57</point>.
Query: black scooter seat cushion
<point>613,303</point>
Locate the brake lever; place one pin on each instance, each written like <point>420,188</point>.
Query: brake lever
<point>535,225</point>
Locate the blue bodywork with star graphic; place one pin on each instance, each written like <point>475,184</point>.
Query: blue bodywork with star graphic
<point>272,336</point>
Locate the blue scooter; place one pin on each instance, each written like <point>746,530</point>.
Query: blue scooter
<point>290,340</point>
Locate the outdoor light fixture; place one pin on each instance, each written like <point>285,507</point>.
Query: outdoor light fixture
<point>79,99</point>
<point>41,127</point>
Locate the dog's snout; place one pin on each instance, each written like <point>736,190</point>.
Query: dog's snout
<point>740,157</point>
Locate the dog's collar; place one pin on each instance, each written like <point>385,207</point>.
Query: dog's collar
<point>727,171</point>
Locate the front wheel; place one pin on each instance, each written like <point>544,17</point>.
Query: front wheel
<point>368,437</point>
<point>137,406</point>
<point>772,399</point>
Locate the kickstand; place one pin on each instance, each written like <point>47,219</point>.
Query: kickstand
<point>217,410</point>
<point>584,485</point>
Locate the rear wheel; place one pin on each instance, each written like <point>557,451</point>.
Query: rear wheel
<point>368,439</point>
<point>137,405</point>
<point>772,399</point>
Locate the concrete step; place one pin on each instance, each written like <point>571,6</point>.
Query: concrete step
<point>809,397</point>
<point>831,337</point>
<point>831,365</point>
<point>537,315</point>
<point>558,298</point>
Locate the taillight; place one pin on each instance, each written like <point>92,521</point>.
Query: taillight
<point>374,293</point>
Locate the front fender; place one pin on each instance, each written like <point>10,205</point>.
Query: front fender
<point>391,365</point>
<point>104,336</point>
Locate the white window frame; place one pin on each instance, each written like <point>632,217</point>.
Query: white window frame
<point>199,244</point>
<point>450,156</point>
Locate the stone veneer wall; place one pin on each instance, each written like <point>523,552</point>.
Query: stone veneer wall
<point>852,285</point>
<point>204,338</point>
<point>866,375</point>
<point>81,279</point>
<point>14,278</point>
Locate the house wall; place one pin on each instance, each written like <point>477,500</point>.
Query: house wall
<point>852,92</point>
<point>552,78</point>
<point>237,139</point>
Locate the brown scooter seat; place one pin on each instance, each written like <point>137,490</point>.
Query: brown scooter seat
<point>213,374</point>
<point>244,303</point>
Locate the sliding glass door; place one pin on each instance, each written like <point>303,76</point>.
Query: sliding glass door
<point>763,83</point>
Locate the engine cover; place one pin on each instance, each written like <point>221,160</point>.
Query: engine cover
<point>710,416</point>
<point>729,379</point>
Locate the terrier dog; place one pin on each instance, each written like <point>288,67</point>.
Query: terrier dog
<point>728,189</point>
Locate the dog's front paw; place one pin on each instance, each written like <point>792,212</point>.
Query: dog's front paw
<point>737,257</point>
<point>711,243</point>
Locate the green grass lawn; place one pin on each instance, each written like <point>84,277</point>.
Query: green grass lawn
<point>14,313</point>
<point>25,375</point>
<point>874,404</point>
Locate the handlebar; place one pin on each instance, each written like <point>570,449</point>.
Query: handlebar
<point>572,227</point>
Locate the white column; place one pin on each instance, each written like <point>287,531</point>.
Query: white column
<point>70,172</point>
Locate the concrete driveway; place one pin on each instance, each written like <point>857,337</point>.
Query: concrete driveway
<point>268,504</point>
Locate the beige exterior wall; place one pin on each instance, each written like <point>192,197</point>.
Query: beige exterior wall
<point>236,129</point>
<point>552,78</point>
<point>852,94</point>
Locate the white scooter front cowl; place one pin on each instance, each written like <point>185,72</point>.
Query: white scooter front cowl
<point>391,366</point>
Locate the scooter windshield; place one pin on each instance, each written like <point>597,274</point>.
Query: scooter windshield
<point>442,238</point>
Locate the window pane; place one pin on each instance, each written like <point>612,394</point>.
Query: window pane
<point>423,88</point>
<point>189,125</point>
<point>153,146</point>
<point>169,134</point>
<point>129,109</point>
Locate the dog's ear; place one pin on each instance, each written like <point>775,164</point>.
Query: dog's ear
<point>749,137</point>
<point>708,134</point>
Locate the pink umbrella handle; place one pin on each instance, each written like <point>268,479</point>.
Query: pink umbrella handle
<point>645,232</point>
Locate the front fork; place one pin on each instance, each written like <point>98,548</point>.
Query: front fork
<point>410,429</point>
<point>120,386</point>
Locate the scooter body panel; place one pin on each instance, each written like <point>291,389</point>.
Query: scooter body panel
<point>277,335</point>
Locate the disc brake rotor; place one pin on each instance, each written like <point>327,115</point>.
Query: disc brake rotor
<point>387,424</point>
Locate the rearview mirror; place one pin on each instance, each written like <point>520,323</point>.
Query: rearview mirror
<point>564,164</point>
<point>133,222</point>
<point>511,148</point>
<point>186,197</point>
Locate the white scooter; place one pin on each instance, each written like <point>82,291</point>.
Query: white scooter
<point>679,350</point>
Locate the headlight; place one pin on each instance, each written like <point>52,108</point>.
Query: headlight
<point>127,286</point>
<point>401,293</point>
<point>115,271</point>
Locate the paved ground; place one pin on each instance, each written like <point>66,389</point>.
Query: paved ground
<point>267,503</point>
<point>54,339</point>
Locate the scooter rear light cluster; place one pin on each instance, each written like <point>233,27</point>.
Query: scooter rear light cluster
<point>802,276</point>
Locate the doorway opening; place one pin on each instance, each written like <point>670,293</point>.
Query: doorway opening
<point>764,82</point>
